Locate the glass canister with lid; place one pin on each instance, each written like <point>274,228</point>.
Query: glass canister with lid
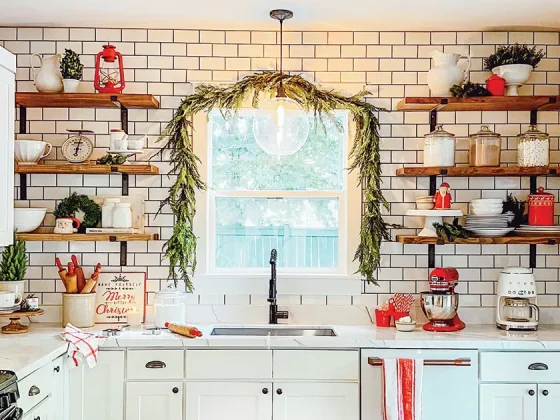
<point>533,148</point>
<point>170,306</point>
<point>485,147</point>
<point>439,148</point>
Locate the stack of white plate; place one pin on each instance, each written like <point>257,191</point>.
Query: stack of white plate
<point>488,226</point>
<point>528,230</point>
<point>487,206</point>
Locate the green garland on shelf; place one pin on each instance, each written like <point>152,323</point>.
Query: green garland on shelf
<point>180,249</point>
<point>79,202</point>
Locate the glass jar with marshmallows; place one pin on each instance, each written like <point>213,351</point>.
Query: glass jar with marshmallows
<point>533,148</point>
<point>439,148</point>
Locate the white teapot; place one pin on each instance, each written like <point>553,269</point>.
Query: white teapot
<point>447,72</point>
<point>48,78</point>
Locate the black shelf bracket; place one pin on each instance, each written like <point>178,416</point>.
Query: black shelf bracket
<point>532,256</point>
<point>533,117</point>
<point>22,186</point>
<point>433,119</point>
<point>22,130</point>
<point>123,250</point>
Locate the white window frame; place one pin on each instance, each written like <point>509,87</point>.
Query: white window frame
<point>204,227</point>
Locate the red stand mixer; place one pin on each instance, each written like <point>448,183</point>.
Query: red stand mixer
<point>441,302</point>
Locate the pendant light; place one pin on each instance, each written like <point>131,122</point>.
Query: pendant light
<point>280,125</point>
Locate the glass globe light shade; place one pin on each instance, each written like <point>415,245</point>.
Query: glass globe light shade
<point>280,126</point>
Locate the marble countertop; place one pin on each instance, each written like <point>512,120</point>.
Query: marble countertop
<point>27,352</point>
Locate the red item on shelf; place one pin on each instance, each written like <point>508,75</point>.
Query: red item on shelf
<point>496,85</point>
<point>382,318</point>
<point>541,208</point>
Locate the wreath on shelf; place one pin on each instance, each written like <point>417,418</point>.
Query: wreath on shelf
<point>69,206</point>
<point>180,249</point>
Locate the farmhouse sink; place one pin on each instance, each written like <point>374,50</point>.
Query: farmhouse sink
<point>275,331</point>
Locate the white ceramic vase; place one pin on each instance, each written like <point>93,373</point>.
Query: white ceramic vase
<point>13,286</point>
<point>71,85</point>
<point>446,73</point>
<point>78,309</point>
<point>515,75</point>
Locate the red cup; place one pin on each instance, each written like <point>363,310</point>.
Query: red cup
<point>382,318</point>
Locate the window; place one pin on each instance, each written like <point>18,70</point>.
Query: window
<point>255,202</point>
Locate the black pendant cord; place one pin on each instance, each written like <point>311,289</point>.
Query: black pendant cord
<point>280,93</point>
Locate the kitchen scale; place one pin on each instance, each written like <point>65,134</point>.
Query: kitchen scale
<point>77,148</point>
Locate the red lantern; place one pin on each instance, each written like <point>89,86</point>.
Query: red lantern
<point>109,75</point>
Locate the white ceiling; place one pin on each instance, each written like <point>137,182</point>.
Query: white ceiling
<point>412,15</point>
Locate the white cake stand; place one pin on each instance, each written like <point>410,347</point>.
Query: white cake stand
<point>433,216</point>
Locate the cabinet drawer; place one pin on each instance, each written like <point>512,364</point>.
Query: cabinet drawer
<point>42,411</point>
<point>155,364</point>
<point>35,387</point>
<point>520,367</point>
<point>229,364</point>
<point>316,364</point>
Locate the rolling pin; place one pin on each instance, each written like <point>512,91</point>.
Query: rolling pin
<point>187,331</point>
<point>71,279</point>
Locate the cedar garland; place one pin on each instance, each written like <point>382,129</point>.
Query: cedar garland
<point>180,249</point>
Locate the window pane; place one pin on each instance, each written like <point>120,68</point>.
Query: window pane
<point>304,231</point>
<point>238,163</point>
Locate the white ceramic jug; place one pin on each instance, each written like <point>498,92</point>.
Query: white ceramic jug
<point>47,78</point>
<point>446,72</point>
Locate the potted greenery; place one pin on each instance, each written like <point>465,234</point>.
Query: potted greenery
<point>72,70</point>
<point>514,63</point>
<point>13,267</point>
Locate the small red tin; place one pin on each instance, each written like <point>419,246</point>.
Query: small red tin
<point>541,208</point>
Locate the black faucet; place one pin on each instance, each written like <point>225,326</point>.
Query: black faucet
<point>274,313</point>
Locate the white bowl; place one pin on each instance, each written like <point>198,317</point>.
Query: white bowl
<point>405,327</point>
<point>28,152</point>
<point>515,76</point>
<point>486,212</point>
<point>424,206</point>
<point>28,219</point>
<point>487,201</point>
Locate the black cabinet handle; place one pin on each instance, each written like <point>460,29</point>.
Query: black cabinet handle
<point>279,391</point>
<point>57,369</point>
<point>531,392</point>
<point>538,366</point>
<point>175,390</point>
<point>545,392</point>
<point>265,391</point>
<point>37,418</point>
<point>156,364</point>
<point>34,390</point>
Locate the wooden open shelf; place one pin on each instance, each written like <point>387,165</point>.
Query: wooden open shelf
<point>87,168</point>
<point>534,240</point>
<point>46,234</point>
<point>85,100</point>
<point>485,103</point>
<point>477,171</point>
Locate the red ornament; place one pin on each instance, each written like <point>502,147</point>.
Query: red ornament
<point>109,74</point>
<point>541,208</point>
<point>496,85</point>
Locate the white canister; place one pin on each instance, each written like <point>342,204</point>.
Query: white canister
<point>122,215</point>
<point>107,211</point>
<point>439,148</point>
<point>170,306</point>
<point>119,139</point>
<point>78,309</point>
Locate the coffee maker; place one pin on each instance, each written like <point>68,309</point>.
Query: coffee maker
<point>516,306</point>
<point>440,304</point>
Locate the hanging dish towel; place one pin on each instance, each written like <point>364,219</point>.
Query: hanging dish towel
<point>402,386</point>
<point>82,343</point>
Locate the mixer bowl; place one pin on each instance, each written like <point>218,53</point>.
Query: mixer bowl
<point>439,307</point>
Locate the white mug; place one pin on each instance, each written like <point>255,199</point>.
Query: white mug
<point>29,152</point>
<point>9,299</point>
<point>119,140</point>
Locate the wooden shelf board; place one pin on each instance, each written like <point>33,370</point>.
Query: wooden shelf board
<point>46,234</point>
<point>477,171</point>
<point>85,100</point>
<point>87,168</point>
<point>408,239</point>
<point>485,103</point>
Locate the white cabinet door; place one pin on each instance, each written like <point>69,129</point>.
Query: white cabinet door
<point>239,400</point>
<point>548,401</point>
<point>57,401</point>
<point>444,387</point>
<point>154,401</point>
<point>508,402</point>
<point>98,393</point>
<point>316,401</point>
<point>7,101</point>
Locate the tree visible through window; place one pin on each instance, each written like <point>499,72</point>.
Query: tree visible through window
<point>292,203</point>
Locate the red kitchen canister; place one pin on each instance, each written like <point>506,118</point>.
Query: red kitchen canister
<point>496,85</point>
<point>541,208</point>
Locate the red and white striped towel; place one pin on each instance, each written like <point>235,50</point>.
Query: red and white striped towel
<point>402,386</point>
<point>82,343</point>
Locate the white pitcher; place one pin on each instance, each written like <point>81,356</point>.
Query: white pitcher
<point>48,78</point>
<point>447,72</point>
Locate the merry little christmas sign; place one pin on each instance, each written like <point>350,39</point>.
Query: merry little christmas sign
<point>117,294</point>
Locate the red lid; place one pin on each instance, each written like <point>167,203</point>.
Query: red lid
<point>540,191</point>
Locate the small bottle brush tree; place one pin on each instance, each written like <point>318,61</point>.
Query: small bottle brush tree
<point>14,262</point>
<point>70,66</point>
